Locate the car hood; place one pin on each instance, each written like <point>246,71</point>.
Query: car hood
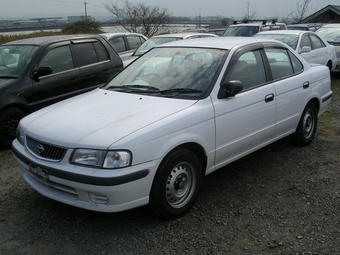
<point>98,118</point>
<point>5,81</point>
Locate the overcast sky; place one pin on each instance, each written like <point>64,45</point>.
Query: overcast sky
<point>228,8</point>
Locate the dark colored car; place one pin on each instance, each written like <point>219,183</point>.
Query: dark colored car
<point>40,71</point>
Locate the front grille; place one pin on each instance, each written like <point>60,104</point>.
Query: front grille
<point>45,151</point>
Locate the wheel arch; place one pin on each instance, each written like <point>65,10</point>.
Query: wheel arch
<point>15,105</point>
<point>316,102</point>
<point>198,150</point>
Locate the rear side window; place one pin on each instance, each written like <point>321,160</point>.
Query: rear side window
<point>282,63</point>
<point>118,44</point>
<point>60,59</point>
<point>85,53</point>
<point>101,52</point>
<point>135,41</point>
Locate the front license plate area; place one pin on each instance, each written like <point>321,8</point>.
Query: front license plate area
<point>39,171</point>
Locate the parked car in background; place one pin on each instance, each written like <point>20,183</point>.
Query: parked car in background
<point>331,33</point>
<point>308,44</point>
<point>252,27</point>
<point>216,30</point>
<point>211,30</point>
<point>37,72</point>
<point>305,26</point>
<point>125,43</point>
<point>179,112</point>
<point>160,39</point>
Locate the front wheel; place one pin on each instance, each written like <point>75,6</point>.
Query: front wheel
<point>177,184</point>
<point>306,128</point>
<point>9,120</point>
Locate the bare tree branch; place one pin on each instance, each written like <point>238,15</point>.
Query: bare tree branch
<point>139,18</point>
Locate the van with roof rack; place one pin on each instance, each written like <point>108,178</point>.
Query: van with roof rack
<point>251,27</point>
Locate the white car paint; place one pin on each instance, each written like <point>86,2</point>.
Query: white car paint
<point>150,126</point>
<point>320,52</point>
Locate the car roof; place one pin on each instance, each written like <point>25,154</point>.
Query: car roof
<point>304,25</point>
<point>255,24</point>
<point>110,35</point>
<point>44,40</point>
<point>219,42</point>
<point>285,32</point>
<point>332,25</point>
<point>182,35</point>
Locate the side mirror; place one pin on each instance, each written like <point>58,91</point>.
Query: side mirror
<point>305,49</point>
<point>230,89</point>
<point>42,71</point>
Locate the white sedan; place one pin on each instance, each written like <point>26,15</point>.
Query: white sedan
<point>179,112</point>
<point>308,44</point>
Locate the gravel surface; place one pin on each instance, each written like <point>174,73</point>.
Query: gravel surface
<point>281,199</point>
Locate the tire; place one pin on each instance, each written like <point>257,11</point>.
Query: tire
<point>306,128</point>
<point>176,185</point>
<point>9,120</point>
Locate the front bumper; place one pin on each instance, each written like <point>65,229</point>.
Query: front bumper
<point>88,188</point>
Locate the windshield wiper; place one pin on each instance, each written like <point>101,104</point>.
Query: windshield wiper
<point>181,91</point>
<point>135,88</point>
<point>8,76</point>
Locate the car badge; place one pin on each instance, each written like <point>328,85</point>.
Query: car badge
<point>40,149</point>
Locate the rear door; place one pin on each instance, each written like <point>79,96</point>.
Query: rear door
<point>291,87</point>
<point>93,61</point>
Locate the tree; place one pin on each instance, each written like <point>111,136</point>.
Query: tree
<point>84,26</point>
<point>139,18</point>
<point>301,12</point>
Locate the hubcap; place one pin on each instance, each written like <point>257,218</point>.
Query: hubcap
<point>180,185</point>
<point>11,127</point>
<point>308,124</point>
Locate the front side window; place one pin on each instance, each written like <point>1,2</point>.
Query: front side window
<point>171,72</point>
<point>60,59</point>
<point>15,58</point>
<point>249,69</point>
<point>305,41</point>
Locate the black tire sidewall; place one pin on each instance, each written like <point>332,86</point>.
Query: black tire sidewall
<point>4,117</point>
<point>158,202</point>
<point>298,137</point>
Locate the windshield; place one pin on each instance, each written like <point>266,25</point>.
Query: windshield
<point>152,42</point>
<point>171,72</point>
<point>14,59</point>
<point>290,40</point>
<point>331,34</point>
<point>241,31</point>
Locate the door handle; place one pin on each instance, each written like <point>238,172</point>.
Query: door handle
<point>305,85</point>
<point>269,98</point>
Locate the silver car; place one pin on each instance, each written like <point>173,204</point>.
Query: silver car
<point>125,43</point>
<point>176,114</point>
<point>308,44</point>
<point>160,39</point>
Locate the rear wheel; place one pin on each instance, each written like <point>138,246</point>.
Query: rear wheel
<point>306,129</point>
<point>9,120</point>
<point>177,184</point>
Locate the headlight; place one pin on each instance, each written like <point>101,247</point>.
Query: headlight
<point>20,135</point>
<point>101,159</point>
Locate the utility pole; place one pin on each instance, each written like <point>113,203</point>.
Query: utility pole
<point>85,10</point>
